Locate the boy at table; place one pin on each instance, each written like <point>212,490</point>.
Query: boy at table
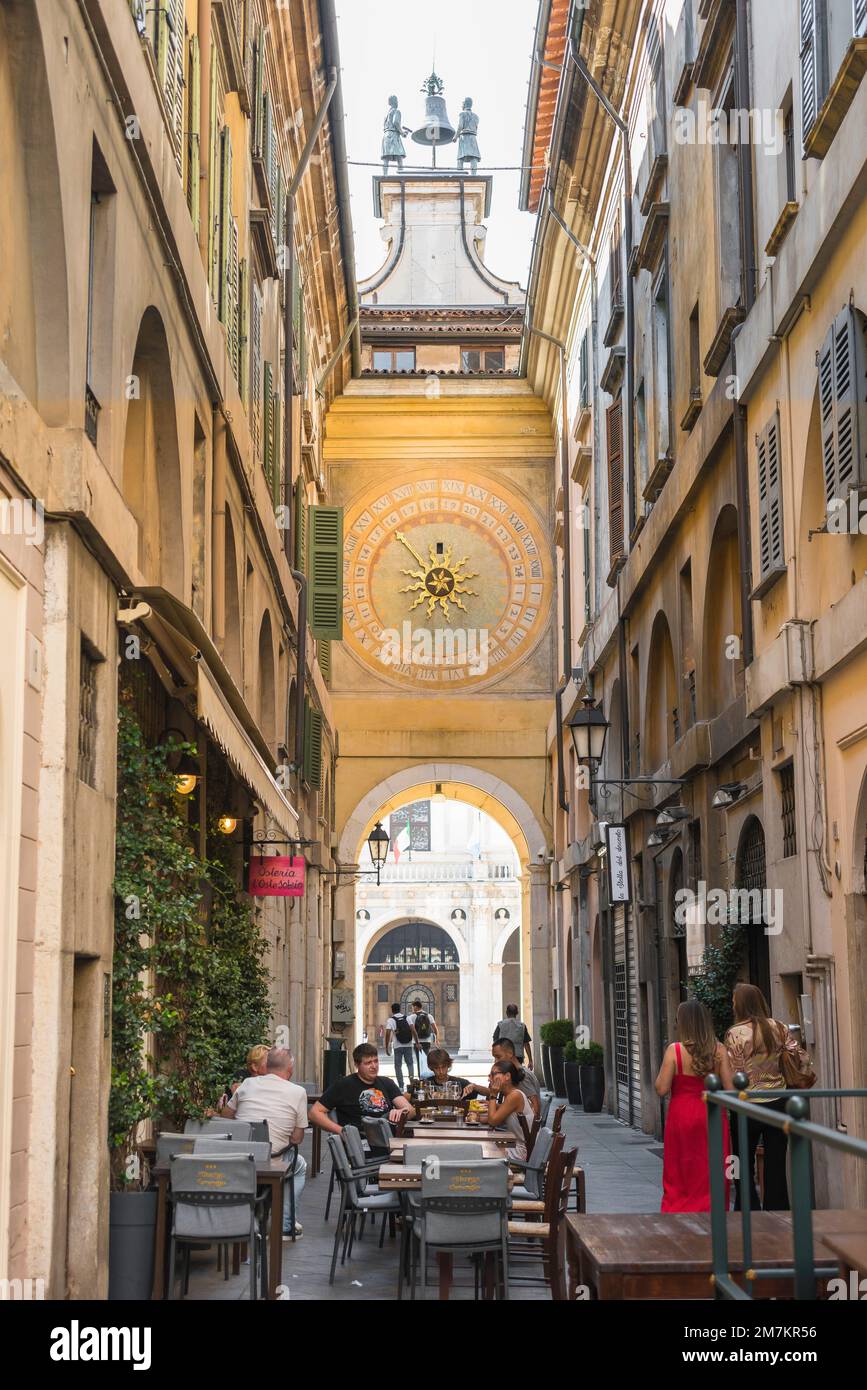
<point>364,1095</point>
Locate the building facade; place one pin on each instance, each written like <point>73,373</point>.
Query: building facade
<point>163,497</point>
<point>698,257</point>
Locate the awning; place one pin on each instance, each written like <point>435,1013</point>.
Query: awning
<point>216,714</point>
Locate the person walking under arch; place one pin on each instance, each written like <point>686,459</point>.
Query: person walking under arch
<point>400,1034</point>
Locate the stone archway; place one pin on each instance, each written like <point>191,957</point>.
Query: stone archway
<point>477,787</point>
<point>410,958</point>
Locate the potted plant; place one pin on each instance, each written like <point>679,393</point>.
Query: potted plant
<point>556,1035</point>
<point>570,1070</point>
<point>592,1077</point>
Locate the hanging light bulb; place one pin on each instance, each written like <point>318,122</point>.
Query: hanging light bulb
<point>227,824</point>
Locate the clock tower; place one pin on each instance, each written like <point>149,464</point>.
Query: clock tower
<point>442,459</point>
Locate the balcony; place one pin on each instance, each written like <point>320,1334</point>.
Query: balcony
<point>818,140</point>
<point>474,872</point>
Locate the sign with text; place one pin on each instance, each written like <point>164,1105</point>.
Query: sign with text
<point>619,890</point>
<point>276,876</point>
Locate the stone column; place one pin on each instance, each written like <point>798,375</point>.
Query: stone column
<point>537,939</point>
<point>343,939</point>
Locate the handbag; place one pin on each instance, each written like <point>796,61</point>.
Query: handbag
<point>795,1065</point>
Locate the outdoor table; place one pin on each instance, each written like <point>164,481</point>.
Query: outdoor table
<point>394,1176</point>
<point>472,1134</point>
<point>669,1254</point>
<point>270,1175</point>
<point>850,1249</point>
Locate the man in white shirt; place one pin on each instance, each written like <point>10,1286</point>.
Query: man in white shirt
<point>276,1098</point>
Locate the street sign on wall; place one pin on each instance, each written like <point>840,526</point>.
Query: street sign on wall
<point>276,876</point>
<point>619,887</point>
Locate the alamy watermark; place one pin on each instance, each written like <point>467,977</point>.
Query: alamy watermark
<point>713,125</point>
<point>452,648</point>
<point>20,516</point>
<point>719,907</point>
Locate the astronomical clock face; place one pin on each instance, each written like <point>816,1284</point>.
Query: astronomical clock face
<point>447,580</point>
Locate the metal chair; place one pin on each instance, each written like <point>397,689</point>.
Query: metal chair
<point>351,1204</point>
<point>238,1129</point>
<point>545,1100</point>
<point>463,1210</point>
<point>206,1144</point>
<point>378,1134</point>
<point>214,1200</point>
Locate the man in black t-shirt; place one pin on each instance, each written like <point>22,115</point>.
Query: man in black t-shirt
<point>364,1095</point>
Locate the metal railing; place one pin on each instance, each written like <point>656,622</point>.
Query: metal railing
<point>802,1133</point>
<point>446,873</point>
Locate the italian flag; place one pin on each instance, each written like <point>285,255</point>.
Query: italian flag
<point>400,842</point>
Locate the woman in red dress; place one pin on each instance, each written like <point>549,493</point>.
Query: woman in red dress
<point>685,1170</point>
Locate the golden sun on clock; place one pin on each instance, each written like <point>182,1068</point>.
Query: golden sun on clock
<point>447,580</point>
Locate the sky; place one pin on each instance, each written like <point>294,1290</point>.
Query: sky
<point>483,50</point>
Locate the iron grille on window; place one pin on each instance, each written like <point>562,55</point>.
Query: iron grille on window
<point>752,870</point>
<point>87,718</point>
<point>621,1034</point>
<point>787,797</point>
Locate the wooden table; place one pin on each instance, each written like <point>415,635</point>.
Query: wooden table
<point>668,1254</point>
<point>270,1175</point>
<point>472,1134</point>
<point>851,1250</point>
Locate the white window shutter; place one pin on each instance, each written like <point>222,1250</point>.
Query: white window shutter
<point>859,18</point>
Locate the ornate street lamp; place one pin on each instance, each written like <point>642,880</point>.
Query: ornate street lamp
<point>377,843</point>
<point>588,727</point>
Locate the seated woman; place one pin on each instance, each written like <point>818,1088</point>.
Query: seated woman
<point>506,1102</point>
<point>440,1064</point>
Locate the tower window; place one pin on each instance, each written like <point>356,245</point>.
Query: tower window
<point>394,359</point>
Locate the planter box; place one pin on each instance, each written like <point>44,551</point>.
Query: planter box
<point>592,1088</point>
<point>132,1220</point>
<point>558,1076</point>
<point>546,1066</point>
<point>573,1082</point>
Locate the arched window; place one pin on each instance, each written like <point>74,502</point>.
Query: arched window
<point>415,945</point>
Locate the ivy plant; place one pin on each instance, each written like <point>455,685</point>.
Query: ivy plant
<point>189,996</point>
<point>714,979</point>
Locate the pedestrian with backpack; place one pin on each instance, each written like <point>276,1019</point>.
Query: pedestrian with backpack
<point>426,1031</point>
<point>513,1029</point>
<point>400,1034</point>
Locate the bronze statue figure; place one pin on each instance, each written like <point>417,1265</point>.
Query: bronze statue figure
<point>392,129</point>
<point>468,145</point>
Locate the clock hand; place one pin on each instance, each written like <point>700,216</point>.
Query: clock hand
<point>414,553</point>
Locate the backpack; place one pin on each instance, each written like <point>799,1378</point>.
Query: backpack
<point>422,1025</point>
<point>513,1030</point>
<point>402,1031</point>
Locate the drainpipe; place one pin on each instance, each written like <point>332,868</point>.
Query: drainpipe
<point>739,421</point>
<point>629,373</point>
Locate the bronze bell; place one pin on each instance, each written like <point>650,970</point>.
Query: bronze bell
<point>437,128</point>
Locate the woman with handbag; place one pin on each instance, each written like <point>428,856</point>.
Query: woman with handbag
<point>760,1046</point>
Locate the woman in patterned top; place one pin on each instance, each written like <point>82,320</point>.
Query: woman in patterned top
<point>755,1043</point>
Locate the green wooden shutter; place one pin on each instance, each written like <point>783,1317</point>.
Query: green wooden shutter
<point>258,91</point>
<point>269,145</point>
<point>175,95</point>
<point>839,407</point>
<point>323,656</point>
<point>233,325</point>
<point>276,490</point>
<point>194,166</point>
<point>256,370</point>
<point>225,225</point>
<point>165,71</point>
<point>244,332</point>
<point>312,745</point>
<point>325,603</point>
<point>771,548</point>
<point>300,526</point>
<point>614,416</point>
<point>268,418</point>
<point>277,207</point>
<point>213,185</point>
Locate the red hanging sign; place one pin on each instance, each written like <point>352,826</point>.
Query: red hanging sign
<point>276,876</point>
